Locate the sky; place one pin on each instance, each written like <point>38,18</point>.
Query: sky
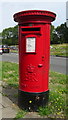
<point>9,7</point>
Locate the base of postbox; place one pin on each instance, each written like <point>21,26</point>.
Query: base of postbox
<point>32,101</point>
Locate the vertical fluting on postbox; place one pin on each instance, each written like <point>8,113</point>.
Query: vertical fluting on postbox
<point>34,52</point>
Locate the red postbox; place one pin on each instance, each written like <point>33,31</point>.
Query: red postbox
<point>34,47</point>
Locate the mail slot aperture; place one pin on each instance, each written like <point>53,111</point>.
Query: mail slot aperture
<point>35,30</point>
<point>31,29</point>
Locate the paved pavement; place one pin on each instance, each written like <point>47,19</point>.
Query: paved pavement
<point>33,115</point>
<point>8,111</point>
<point>7,107</point>
<point>8,103</point>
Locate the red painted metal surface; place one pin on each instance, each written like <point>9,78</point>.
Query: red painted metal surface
<point>34,66</point>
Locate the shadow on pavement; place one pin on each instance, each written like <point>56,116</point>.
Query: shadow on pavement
<point>11,93</point>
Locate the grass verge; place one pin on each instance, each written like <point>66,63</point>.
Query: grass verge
<point>10,74</point>
<point>57,106</point>
<point>59,50</point>
<point>20,114</point>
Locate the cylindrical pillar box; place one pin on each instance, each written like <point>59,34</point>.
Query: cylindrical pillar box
<point>34,48</point>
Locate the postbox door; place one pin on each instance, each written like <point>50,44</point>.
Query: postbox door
<point>32,63</point>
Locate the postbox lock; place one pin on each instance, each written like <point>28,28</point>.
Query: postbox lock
<point>40,65</point>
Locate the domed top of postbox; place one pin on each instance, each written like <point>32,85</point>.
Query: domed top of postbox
<point>34,16</point>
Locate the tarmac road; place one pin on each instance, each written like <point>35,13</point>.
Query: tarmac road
<point>10,57</point>
<point>57,64</point>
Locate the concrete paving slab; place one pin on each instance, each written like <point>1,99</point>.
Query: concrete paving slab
<point>12,94</point>
<point>32,115</point>
<point>1,106</point>
<point>8,113</point>
<point>0,98</point>
<point>6,102</point>
<point>9,109</point>
<point>0,113</point>
<point>0,89</point>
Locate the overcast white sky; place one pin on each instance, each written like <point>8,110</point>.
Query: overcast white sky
<point>9,7</point>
